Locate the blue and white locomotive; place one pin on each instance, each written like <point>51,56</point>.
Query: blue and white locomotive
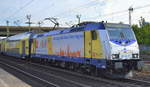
<point>122,49</point>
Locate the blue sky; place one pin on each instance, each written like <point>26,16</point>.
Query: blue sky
<point>66,10</point>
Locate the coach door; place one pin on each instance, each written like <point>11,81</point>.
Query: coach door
<point>87,45</point>
<point>23,47</point>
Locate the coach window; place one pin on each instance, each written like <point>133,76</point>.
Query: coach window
<point>94,35</point>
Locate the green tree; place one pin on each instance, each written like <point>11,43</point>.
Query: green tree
<point>142,34</point>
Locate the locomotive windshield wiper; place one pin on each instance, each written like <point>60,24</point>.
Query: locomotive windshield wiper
<point>122,36</point>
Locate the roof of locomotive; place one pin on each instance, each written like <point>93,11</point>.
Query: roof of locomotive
<point>84,27</point>
<point>115,25</point>
<point>19,36</point>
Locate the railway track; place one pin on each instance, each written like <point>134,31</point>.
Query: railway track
<point>52,81</point>
<point>138,82</point>
<point>129,82</point>
<point>76,79</point>
<point>47,83</point>
<point>64,76</point>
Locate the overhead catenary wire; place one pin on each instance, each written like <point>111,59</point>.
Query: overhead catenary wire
<point>118,12</point>
<point>71,10</point>
<point>28,3</point>
<point>20,9</point>
<point>75,8</point>
<point>79,7</point>
<point>140,7</point>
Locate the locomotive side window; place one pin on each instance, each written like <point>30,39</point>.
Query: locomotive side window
<point>94,35</point>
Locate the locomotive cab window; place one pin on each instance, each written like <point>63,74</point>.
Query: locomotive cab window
<point>94,35</point>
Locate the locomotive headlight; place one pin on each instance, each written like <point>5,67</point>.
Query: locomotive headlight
<point>135,55</point>
<point>114,56</point>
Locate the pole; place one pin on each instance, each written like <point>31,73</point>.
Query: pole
<point>29,22</point>
<point>39,23</point>
<point>130,19</point>
<point>79,18</point>
<point>7,22</point>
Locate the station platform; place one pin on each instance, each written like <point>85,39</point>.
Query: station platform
<point>9,80</point>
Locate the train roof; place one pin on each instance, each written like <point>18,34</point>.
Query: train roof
<point>19,36</point>
<point>91,26</point>
<point>115,25</point>
<point>84,27</point>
